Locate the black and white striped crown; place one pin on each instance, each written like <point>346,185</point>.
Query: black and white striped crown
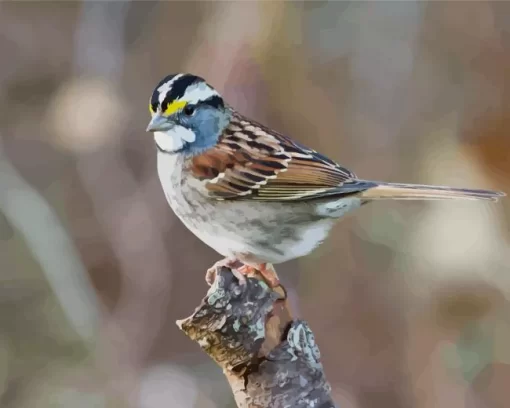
<point>178,90</point>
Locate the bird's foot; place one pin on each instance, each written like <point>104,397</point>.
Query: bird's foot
<point>266,270</point>
<point>241,271</point>
<point>231,263</point>
<point>240,277</point>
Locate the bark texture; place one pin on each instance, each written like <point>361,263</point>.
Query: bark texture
<point>269,359</point>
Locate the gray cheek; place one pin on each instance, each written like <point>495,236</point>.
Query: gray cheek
<point>207,129</point>
<point>208,124</point>
<point>215,125</point>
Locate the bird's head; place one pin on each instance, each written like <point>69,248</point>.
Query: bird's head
<point>188,115</point>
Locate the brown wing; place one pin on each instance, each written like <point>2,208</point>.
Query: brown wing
<point>251,161</point>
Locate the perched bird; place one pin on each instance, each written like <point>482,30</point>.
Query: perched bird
<point>252,194</point>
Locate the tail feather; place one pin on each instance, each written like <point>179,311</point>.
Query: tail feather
<point>396,191</point>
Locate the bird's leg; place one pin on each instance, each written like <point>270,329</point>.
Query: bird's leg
<point>269,273</point>
<point>240,277</point>
<point>240,270</point>
<point>231,263</point>
<point>265,269</point>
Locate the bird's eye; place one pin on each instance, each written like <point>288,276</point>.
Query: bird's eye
<point>189,110</point>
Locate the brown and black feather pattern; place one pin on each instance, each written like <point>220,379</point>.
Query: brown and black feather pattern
<point>253,162</point>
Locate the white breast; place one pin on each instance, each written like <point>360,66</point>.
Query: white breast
<point>219,239</point>
<point>169,169</point>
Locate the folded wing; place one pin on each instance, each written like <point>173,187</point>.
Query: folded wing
<point>252,162</point>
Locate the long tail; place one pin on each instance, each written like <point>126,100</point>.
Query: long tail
<point>395,191</point>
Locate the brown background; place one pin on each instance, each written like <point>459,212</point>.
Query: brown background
<point>408,301</point>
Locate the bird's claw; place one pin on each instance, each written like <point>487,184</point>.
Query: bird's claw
<point>241,272</point>
<point>212,272</point>
<point>240,276</point>
<point>266,270</point>
<point>210,275</point>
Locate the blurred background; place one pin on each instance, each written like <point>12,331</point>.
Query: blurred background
<point>409,302</point>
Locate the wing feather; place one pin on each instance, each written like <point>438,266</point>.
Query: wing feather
<point>253,162</point>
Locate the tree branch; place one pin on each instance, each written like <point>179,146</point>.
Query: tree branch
<point>269,359</point>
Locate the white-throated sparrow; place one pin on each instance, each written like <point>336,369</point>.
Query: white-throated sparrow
<point>254,195</point>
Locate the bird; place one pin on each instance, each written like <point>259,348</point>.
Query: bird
<point>251,193</point>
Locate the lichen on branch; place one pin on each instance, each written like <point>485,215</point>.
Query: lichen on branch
<point>269,359</point>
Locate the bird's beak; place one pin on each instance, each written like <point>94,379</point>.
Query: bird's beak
<point>159,123</point>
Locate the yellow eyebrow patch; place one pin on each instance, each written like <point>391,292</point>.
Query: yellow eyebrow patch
<point>174,107</point>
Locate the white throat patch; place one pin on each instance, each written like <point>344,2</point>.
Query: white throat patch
<point>174,139</point>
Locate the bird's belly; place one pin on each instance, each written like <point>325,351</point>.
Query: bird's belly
<point>251,238</point>
<point>252,232</point>
<point>303,241</point>
<point>283,243</point>
<point>226,243</point>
